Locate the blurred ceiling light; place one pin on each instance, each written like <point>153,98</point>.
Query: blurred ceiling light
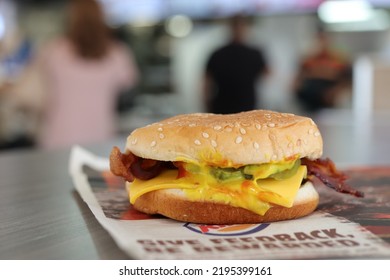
<point>344,11</point>
<point>378,22</point>
<point>178,26</point>
<point>143,13</point>
<point>2,27</point>
<point>353,15</point>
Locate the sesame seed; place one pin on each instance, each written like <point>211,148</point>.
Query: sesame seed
<point>271,125</point>
<point>134,141</point>
<point>256,145</point>
<point>238,140</point>
<point>192,125</point>
<point>160,129</point>
<point>217,127</point>
<point>213,143</point>
<point>162,136</point>
<point>153,144</point>
<point>311,131</point>
<point>205,135</point>
<point>258,126</point>
<point>197,142</point>
<point>245,124</point>
<point>316,134</point>
<point>242,130</point>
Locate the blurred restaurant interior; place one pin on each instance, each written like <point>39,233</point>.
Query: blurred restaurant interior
<point>171,41</point>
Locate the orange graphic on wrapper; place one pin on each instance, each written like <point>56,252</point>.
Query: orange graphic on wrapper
<point>225,230</point>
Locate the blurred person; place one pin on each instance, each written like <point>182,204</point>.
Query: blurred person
<point>232,72</point>
<point>15,122</point>
<point>323,76</point>
<point>83,73</point>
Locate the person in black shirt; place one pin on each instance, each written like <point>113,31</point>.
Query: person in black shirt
<point>232,72</point>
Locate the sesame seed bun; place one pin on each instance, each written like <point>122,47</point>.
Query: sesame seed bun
<point>172,203</point>
<point>252,137</point>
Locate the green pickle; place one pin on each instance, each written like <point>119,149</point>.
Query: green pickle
<point>277,171</point>
<point>224,174</point>
<point>288,172</point>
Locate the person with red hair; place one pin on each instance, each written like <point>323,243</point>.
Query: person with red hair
<point>83,72</point>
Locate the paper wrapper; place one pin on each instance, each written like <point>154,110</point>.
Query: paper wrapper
<point>317,236</point>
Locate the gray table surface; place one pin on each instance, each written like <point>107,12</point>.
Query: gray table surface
<point>43,217</point>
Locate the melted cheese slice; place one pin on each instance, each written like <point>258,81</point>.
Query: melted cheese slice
<point>254,195</point>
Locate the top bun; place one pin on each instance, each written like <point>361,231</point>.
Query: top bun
<point>251,137</point>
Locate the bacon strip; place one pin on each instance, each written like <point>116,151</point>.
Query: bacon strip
<point>146,169</point>
<point>325,170</point>
<point>130,166</point>
<point>120,164</point>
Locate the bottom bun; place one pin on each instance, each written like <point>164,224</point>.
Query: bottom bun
<point>172,203</point>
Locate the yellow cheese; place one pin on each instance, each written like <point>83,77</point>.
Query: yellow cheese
<point>166,180</point>
<point>254,195</point>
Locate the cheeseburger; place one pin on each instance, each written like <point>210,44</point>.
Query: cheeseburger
<point>250,167</point>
